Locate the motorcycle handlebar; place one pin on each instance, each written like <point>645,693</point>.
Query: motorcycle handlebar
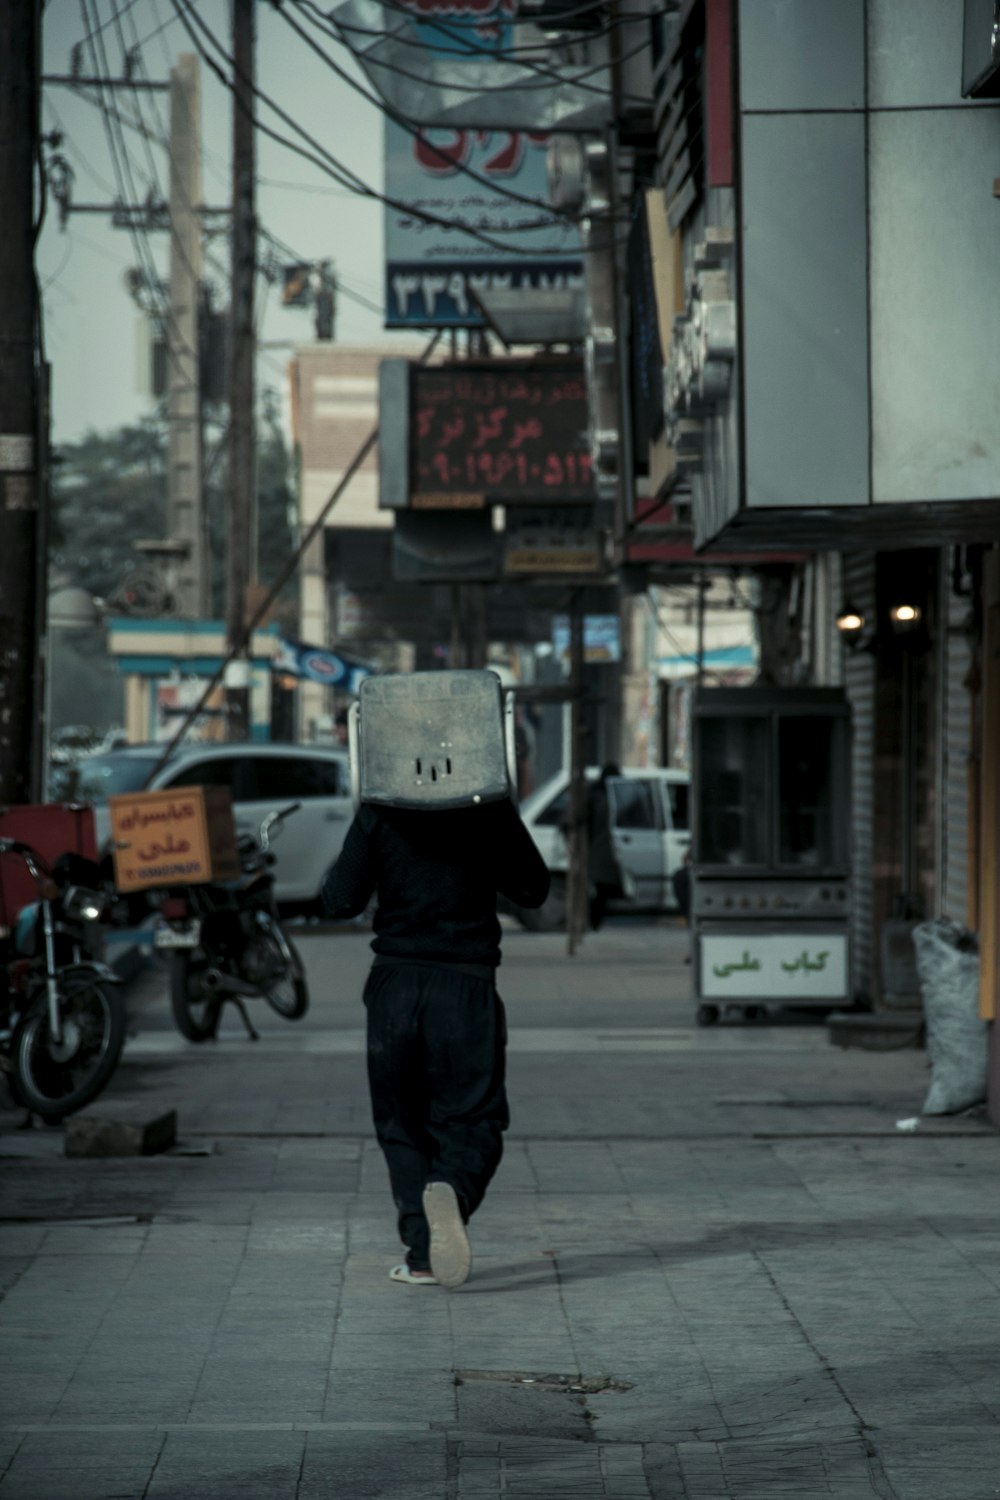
<point>278,816</point>
<point>37,867</point>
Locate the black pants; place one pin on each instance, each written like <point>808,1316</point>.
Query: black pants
<point>436,1055</point>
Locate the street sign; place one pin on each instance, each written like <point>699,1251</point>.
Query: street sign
<point>443,183</point>
<point>557,540</point>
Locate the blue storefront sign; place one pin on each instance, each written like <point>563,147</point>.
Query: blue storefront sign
<point>296,659</point>
<point>444,184</point>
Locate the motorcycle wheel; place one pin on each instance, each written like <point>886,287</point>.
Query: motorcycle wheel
<point>196,1011</point>
<point>56,1079</point>
<point>286,992</point>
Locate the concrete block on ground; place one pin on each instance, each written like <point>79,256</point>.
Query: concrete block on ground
<point>120,1129</point>
<point>876,1031</point>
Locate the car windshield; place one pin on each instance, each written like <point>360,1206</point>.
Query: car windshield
<point>101,776</point>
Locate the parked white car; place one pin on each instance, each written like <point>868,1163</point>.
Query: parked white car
<point>650,831</point>
<point>261,779</point>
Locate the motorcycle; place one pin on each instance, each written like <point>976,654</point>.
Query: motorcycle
<point>62,1017</point>
<point>226,942</point>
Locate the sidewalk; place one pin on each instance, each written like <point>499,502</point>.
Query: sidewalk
<point>711,1266</point>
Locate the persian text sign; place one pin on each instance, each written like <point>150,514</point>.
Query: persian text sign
<point>181,837</point>
<point>444,183</point>
<point>463,28</point>
<point>505,432</point>
<point>790,965</point>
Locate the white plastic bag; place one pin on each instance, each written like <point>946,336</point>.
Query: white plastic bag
<point>948,966</point>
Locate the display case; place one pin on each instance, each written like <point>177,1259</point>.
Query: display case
<point>771,865</point>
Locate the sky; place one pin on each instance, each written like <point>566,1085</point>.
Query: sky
<point>91,324</point>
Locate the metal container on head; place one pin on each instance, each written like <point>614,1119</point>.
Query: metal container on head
<point>432,740</point>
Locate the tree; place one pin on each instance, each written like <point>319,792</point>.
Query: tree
<point>276,510</point>
<point>108,491</point>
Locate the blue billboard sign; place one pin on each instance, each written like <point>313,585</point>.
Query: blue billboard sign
<point>469,210</point>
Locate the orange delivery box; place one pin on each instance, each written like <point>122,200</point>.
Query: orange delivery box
<point>181,837</point>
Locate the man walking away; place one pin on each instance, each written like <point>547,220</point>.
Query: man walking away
<point>603,873</point>
<point>436,1033</point>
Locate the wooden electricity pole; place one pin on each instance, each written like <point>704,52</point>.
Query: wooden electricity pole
<point>21,539</point>
<point>242,493</point>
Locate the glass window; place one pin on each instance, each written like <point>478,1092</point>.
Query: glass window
<point>101,776</point>
<point>732,811</point>
<point>680,804</point>
<point>635,804</point>
<point>216,771</point>
<point>556,813</point>
<point>290,778</point>
<point>812,821</point>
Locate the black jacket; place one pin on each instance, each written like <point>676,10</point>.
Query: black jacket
<point>437,875</point>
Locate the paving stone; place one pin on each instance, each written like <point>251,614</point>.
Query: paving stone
<point>762,1296</point>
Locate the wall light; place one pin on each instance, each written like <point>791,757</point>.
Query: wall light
<point>850,623</point>
<point>905,618</point>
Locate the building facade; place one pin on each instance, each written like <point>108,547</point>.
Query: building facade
<point>812,198</point>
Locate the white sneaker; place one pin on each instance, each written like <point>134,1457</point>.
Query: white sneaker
<point>451,1257</point>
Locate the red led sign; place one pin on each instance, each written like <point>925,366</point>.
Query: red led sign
<point>499,433</point>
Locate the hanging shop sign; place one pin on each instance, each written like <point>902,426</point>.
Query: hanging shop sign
<point>484,63</point>
<point>444,547</point>
<point>316,664</point>
<point>601,638</point>
<point>445,183</point>
<point>462,436</point>
<point>558,540</point>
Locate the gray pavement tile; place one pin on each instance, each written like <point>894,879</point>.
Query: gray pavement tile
<point>17,1240</point>
<point>264,1483</point>
<point>730,1278</point>
<point>662,1471</point>
<point>10,1442</point>
<point>413,1395</point>
<point>374,1466</point>
<point>110,1483</point>
<point>488,1406</point>
<point>63,1449</point>
<point>385,1351</point>
<point>29,1396</point>
<point>958,1461</point>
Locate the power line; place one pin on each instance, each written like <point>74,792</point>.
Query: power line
<point>411,126</point>
<point>122,165</point>
<point>153,173</point>
<point>338,171</point>
<point>295,258</point>
<point>105,24</point>
<point>345,176</point>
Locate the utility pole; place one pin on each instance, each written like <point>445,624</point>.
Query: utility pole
<point>21,571</point>
<point>242,494</point>
<point>578,874</point>
<point>185,498</point>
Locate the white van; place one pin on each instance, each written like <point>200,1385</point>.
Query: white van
<point>650,830</point>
